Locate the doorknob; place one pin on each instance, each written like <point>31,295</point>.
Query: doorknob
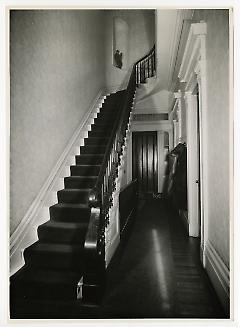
<point>197,181</point>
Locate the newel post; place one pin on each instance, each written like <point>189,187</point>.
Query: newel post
<point>94,253</point>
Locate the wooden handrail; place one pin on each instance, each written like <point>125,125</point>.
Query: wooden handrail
<point>147,55</point>
<point>145,67</point>
<point>101,196</point>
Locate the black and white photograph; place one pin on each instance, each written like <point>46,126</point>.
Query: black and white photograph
<point>120,145</point>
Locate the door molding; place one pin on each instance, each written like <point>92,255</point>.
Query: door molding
<point>192,72</point>
<point>146,145</point>
<point>144,126</point>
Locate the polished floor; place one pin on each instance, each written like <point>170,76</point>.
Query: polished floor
<point>156,273</point>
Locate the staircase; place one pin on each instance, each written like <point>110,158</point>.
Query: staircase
<point>54,264</point>
<point>68,260</point>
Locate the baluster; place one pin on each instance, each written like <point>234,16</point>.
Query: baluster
<point>144,71</point>
<point>140,72</point>
<point>150,62</point>
<point>148,67</point>
<point>137,82</point>
<point>154,63</point>
<point>145,62</point>
<point>151,65</point>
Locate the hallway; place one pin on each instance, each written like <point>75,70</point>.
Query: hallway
<point>156,273</point>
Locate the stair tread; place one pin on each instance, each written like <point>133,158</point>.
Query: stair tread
<point>85,165</point>
<point>76,189</point>
<point>94,145</point>
<point>81,177</point>
<point>71,205</point>
<point>90,154</point>
<point>97,137</point>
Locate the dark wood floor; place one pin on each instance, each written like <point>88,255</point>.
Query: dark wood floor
<point>156,273</point>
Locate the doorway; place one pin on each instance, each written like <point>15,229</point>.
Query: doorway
<point>145,162</point>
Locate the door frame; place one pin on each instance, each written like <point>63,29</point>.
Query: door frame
<point>193,72</point>
<point>145,126</point>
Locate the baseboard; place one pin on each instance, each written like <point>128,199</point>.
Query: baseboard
<point>219,275</point>
<point>38,213</point>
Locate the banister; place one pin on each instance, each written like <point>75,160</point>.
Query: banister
<point>101,196</point>
<point>145,67</point>
<point>147,55</point>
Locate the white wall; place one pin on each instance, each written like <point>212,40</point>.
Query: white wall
<point>155,103</point>
<point>57,69</point>
<point>217,130</point>
<point>141,38</point>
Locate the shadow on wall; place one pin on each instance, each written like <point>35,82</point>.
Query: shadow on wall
<point>120,43</point>
<point>125,80</point>
<point>149,22</point>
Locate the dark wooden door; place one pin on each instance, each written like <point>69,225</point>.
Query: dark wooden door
<point>144,162</point>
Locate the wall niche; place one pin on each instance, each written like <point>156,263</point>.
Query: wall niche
<point>120,43</point>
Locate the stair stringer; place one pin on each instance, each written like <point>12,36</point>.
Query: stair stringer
<point>38,213</point>
<point>112,231</point>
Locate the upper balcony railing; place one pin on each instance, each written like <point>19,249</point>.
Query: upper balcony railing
<point>145,67</point>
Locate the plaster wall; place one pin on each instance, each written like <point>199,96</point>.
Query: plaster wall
<point>56,70</point>
<point>217,129</point>
<point>141,38</point>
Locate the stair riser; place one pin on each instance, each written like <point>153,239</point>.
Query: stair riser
<point>111,104</point>
<point>75,197</point>
<point>60,235</point>
<point>89,149</point>
<point>69,214</point>
<point>101,133</point>
<point>76,183</point>
<point>102,128</point>
<point>52,260</point>
<point>56,291</point>
<point>105,120</point>
<point>89,159</point>
<point>96,141</point>
<point>84,170</point>
<point>107,115</point>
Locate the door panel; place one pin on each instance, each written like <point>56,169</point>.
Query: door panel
<point>144,165</point>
